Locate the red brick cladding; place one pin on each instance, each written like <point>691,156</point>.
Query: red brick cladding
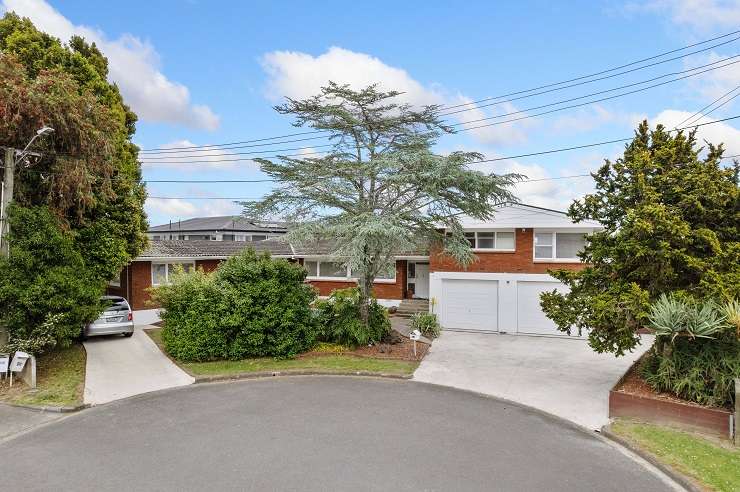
<point>395,290</point>
<point>207,265</point>
<point>519,261</point>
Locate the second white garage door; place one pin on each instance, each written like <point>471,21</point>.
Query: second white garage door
<point>530,317</point>
<point>471,304</point>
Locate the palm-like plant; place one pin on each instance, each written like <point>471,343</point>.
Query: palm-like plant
<point>731,311</point>
<point>673,317</point>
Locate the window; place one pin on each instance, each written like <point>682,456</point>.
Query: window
<point>387,273</point>
<point>332,269</point>
<point>494,240</point>
<point>258,237</point>
<point>558,245</point>
<point>336,270</point>
<point>568,245</point>
<point>162,272</point>
<point>155,238</point>
<point>227,237</point>
<point>412,270</point>
<point>312,267</point>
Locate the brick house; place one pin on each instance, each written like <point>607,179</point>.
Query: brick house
<point>498,293</point>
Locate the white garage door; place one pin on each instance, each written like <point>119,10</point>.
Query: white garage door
<point>530,318</point>
<point>471,304</point>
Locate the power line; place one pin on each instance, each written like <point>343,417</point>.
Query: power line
<point>150,159</point>
<point>701,111</point>
<point>176,150</point>
<point>590,95</point>
<point>496,101</point>
<point>212,146</point>
<point>496,159</point>
<point>554,178</point>
<point>713,65</point>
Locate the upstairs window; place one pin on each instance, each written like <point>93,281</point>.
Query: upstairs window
<point>491,240</point>
<point>558,245</point>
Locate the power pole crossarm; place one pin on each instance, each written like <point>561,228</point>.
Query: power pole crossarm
<point>7,197</point>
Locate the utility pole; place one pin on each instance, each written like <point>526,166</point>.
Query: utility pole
<point>7,197</point>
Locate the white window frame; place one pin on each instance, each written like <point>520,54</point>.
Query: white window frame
<point>167,269</point>
<point>554,258</point>
<point>495,248</point>
<point>349,277</point>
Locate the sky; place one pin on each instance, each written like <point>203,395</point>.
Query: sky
<point>204,73</point>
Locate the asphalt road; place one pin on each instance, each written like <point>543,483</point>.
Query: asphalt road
<point>306,433</point>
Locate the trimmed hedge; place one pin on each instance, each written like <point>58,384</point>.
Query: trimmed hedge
<point>251,306</point>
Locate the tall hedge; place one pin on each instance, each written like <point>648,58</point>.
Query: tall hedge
<point>251,306</point>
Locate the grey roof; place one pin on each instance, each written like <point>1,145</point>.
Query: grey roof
<point>224,249</point>
<point>221,223</point>
<point>211,249</point>
<point>321,248</point>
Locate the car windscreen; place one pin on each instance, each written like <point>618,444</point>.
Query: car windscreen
<point>116,305</point>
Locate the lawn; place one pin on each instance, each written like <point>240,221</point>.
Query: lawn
<point>60,380</point>
<point>328,362</point>
<point>713,464</point>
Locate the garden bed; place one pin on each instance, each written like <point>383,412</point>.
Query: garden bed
<point>633,398</point>
<point>382,360</point>
<point>60,381</point>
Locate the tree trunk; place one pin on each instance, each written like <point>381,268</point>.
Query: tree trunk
<point>365,286</point>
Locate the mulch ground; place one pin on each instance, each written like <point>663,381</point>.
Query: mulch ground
<point>402,349</point>
<point>633,384</point>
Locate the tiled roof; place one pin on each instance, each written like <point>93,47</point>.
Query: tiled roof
<point>211,249</point>
<point>223,249</point>
<point>222,223</point>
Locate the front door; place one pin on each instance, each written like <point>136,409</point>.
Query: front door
<point>421,281</point>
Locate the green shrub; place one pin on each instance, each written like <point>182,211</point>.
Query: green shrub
<point>427,324</point>
<point>699,370</point>
<point>47,291</point>
<point>696,355</point>
<point>339,318</point>
<point>251,306</point>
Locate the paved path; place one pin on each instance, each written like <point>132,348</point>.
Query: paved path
<point>119,367</point>
<point>318,433</point>
<point>16,420</point>
<point>562,376</point>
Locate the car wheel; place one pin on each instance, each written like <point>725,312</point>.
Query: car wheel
<point>128,335</point>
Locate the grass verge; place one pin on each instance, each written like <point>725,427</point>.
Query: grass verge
<point>711,463</point>
<point>327,362</point>
<point>60,380</point>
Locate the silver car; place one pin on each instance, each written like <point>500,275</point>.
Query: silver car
<point>117,319</point>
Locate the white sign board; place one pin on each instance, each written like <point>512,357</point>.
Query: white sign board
<point>19,361</point>
<point>4,362</point>
<point>415,335</point>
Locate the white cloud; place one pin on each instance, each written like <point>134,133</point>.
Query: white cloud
<point>134,66</point>
<point>301,75</point>
<point>160,209</point>
<point>698,14</point>
<point>716,133</point>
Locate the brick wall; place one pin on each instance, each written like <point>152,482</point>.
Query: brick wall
<point>519,261</point>
<point>140,276</point>
<point>207,265</point>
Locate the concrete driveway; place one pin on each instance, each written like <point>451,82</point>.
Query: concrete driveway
<point>562,376</point>
<point>318,433</point>
<point>119,367</point>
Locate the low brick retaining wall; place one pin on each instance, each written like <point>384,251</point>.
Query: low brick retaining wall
<point>714,421</point>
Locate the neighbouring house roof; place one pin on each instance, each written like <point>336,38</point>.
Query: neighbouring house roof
<point>162,250</point>
<point>210,249</point>
<point>519,215</point>
<point>221,223</point>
